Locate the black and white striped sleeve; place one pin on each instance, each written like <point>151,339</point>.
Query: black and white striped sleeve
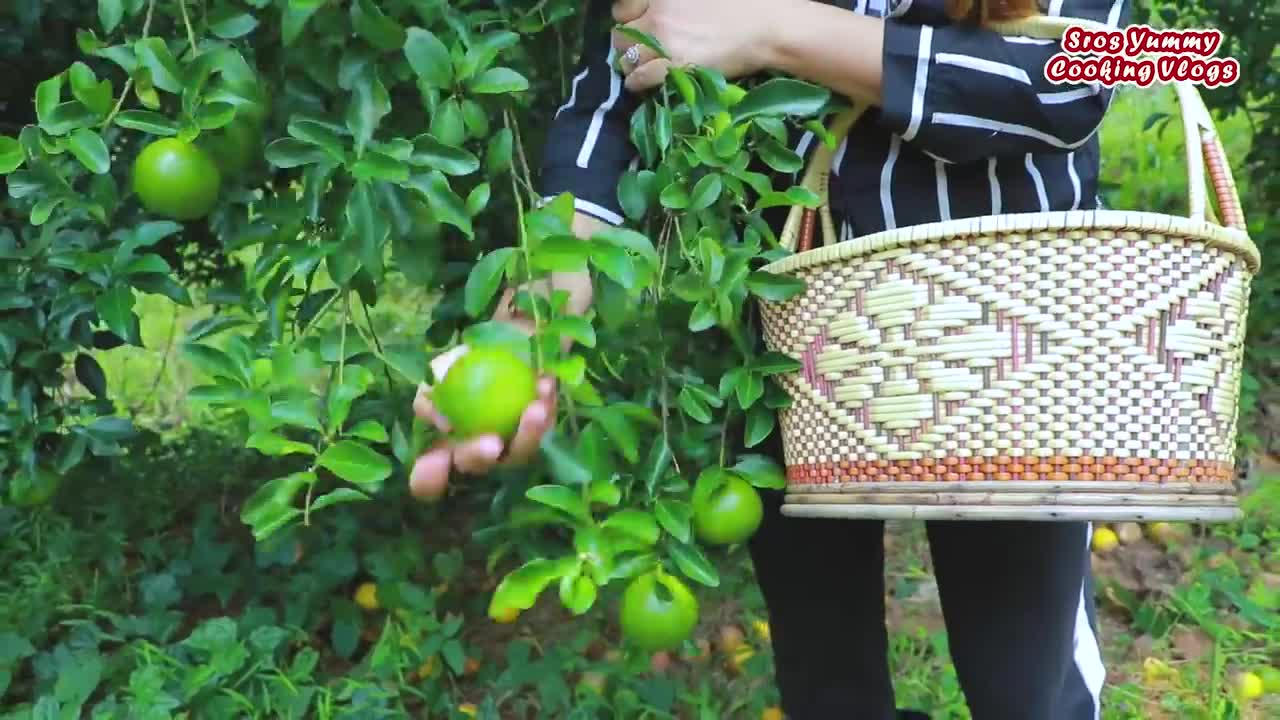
<point>588,145</point>
<point>961,93</point>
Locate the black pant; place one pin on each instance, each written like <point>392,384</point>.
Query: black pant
<point>1017,599</point>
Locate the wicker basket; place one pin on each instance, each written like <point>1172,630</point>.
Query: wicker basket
<point>1043,366</point>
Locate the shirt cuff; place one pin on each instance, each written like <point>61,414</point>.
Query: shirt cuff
<point>592,195</point>
<point>908,52</point>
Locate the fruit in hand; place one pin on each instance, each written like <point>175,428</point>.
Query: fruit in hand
<point>486,390</point>
<point>658,612</point>
<point>727,514</point>
<point>176,179</point>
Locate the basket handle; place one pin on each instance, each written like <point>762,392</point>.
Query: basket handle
<point>1203,148</point>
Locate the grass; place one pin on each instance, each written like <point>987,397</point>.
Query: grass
<point>123,590</point>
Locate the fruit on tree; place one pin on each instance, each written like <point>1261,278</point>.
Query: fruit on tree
<point>727,514</point>
<point>235,146</point>
<point>1105,540</point>
<point>176,179</point>
<point>658,612</point>
<point>30,490</point>
<point>485,391</point>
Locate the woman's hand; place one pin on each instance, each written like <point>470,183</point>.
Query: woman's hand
<point>732,36</point>
<point>429,478</point>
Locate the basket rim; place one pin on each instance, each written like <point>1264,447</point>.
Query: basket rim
<point>1230,239</point>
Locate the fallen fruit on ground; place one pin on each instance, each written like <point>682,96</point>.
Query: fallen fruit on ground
<point>658,612</point>
<point>1129,533</point>
<point>738,660</point>
<point>176,179</point>
<point>771,713</point>
<point>367,596</point>
<point>1247,686</point>
<point>427,669</point>
<point>1105,540</point>
<point>731,638</point>
<point>1155,669</point>
<point>727,514</point>
<point>593,680</point>
<point>485,392</point>
<point>762,629</point>
<point>467,709</point>
<point>1165,533</point>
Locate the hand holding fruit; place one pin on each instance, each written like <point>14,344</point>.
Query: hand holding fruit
<point>493,403</point>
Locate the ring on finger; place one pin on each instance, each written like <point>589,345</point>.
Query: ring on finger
<point>632,55</point>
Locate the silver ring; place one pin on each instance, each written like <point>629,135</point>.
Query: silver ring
<point>632,56</point>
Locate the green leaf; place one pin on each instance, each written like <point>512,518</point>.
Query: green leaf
<point>674,196</point>
<point>148,122</point>
<point>110,13</point>
<point>573,326</point>
<point>429,58</point>
<point>115,307</point>
<point>269,443</point>
<point>376,166</point>
<point>561,253</point>
<point>300,413</point>
<point>322,135</point>
<point>409,360</point>
<point>760,423</point>
<point>706,192</point>
<point>693,406</point>
<point>561,498</point>
<point>634,192</point>
<point>619,429</point>
<point>48,95</point>
<point>520,589</point>
<point>777,288</point>
<point>564,465</point>
<point>215,115</point>
<point>271,507</point>
<point>484,280</point>
<point>498,81</point>
<point>578,593</point>
<point>369,104</point>
<point>87,146</point>
<point>676,517</point>
<point>155,56</point>
<point>295,19</point>
<point>337,497</point>
<point>775,363</point>
<point>11,157</point>
<point>356,463</point>
<point>797,195</point>
<point>603,492</point>
<point>750,389</point>
<point>478,200</point>
<point>290,153</point>
<point>373,25</point>
<point>229,22</point>
<point>498,155</point>
<point>779,157</point>
<point>370,430</point>
<point>213,362</point>
<point>429,152</point>
<point>448,124</point>
<point>444,202</point>
<point>97,96</point>
<point>781,96</point>
<point>761,471</point>
<point>631,241</point>
<point>635,524</point>
<point>90,374</point>
<point>694,564</point>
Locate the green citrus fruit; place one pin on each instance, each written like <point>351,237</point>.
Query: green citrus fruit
<point>658,612</point>
<point>235,146</point>
<point>486,391</point>
<point>726,514</point>
<point>176,179</point>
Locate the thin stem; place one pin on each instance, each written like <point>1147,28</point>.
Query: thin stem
<point>191,35</point>
<point>377,344</point>
<point>724,434</point>
<point>128,84</point>
<point>524,249</point>
<point>526,175</point>
<point>164,359</point>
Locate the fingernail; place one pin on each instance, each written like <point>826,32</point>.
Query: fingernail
<point>492,448</point>
<point>536,414</point>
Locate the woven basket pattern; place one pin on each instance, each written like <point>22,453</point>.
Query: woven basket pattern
<point>1074,354</point>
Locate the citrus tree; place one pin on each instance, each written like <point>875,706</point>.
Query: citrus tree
<point>319,152</point>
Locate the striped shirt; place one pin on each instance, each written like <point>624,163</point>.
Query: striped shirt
<point>968,124</point>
